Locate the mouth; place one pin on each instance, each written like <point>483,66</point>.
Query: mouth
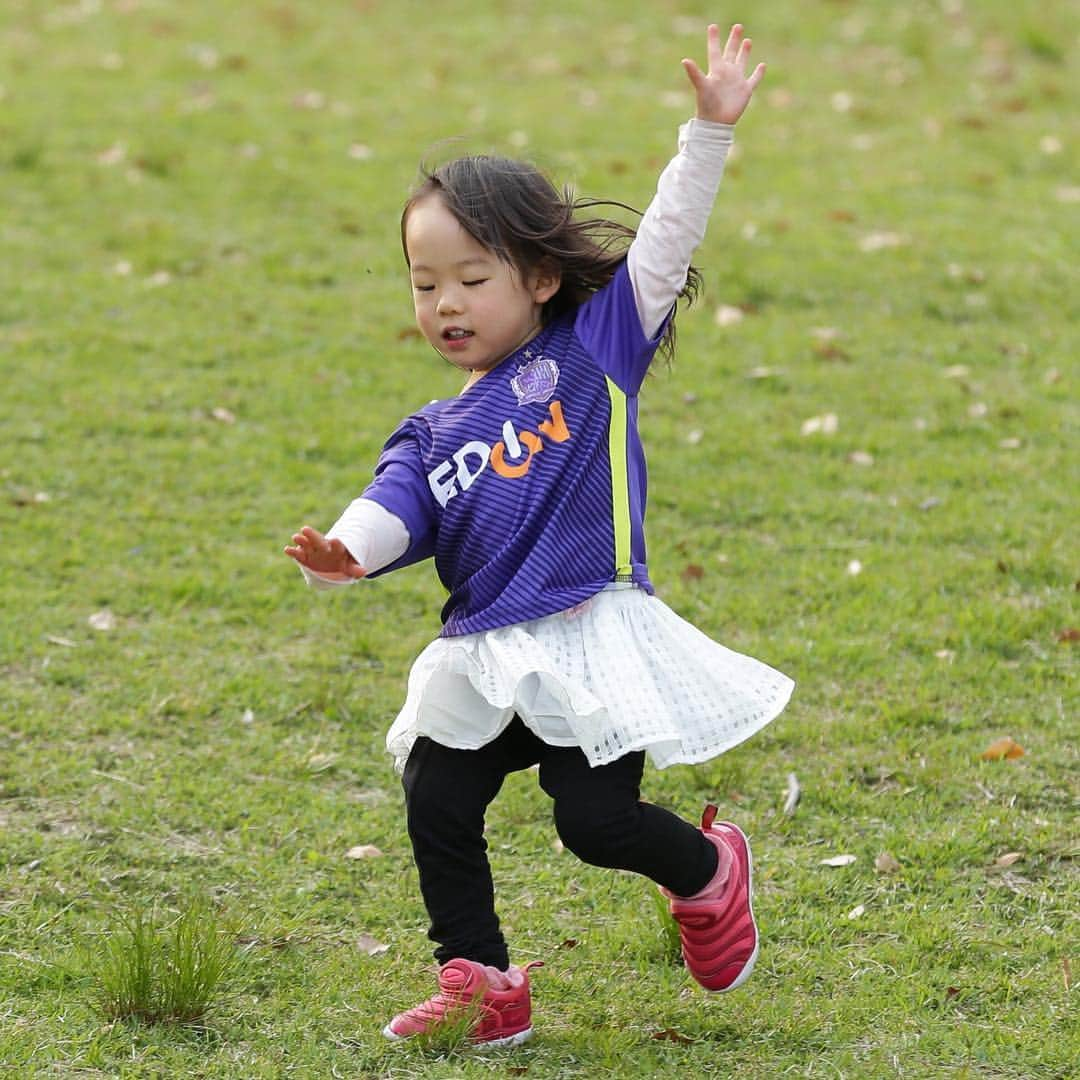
<point>456,338</point>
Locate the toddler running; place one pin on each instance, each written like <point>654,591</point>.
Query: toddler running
<point>528,489</point>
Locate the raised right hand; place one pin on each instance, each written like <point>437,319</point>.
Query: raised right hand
<point>724,91</point>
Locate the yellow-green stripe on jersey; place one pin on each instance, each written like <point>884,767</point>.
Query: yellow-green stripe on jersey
<point>620,489</point>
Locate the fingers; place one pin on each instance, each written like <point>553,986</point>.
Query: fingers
<point>308,544</point>
<point>756,77</point>
<point>694,74</point>
<point>735,51</point>
<point>731,49</point>
<point>743,55</point>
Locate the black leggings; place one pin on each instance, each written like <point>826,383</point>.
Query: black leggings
<point>598,814</point>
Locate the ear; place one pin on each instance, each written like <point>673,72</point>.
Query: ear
<point>547,279</point>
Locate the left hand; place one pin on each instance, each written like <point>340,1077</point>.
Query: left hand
<point>724,93</point>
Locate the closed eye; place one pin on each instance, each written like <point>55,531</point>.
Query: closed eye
<point>478,281</point>
<point>423,288</point>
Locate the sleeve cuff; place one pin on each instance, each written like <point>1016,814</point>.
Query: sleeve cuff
<point>706,133</point>
<point>323,582</point>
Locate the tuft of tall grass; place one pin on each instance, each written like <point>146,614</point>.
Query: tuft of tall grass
<point>168,973</point>
<point>669,928</point>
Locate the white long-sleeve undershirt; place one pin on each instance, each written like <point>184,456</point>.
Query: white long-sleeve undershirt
<point>657,261</point>
<point>372,535</point>
<point>674,222</point>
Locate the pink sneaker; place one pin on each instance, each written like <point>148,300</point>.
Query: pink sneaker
<point>716,926</point>
<point>503,1012</point>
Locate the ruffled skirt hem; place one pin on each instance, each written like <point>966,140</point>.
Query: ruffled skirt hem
<point>618,674</point>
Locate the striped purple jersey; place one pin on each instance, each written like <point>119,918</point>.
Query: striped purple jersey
<point>529,488</point>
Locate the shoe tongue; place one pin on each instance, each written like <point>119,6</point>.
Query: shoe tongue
<point>503,980</point>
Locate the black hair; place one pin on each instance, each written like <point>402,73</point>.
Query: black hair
<point>514,210</point>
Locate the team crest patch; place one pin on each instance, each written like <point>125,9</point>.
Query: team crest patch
<point>536,380</point>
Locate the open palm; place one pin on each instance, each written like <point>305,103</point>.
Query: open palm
<point>725,91</point>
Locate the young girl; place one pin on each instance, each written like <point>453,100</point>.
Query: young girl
<point>529,491</point>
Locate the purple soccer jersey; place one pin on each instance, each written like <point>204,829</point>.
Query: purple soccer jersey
<point>529,488</point>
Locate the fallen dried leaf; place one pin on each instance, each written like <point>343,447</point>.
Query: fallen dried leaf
<point>860,457</point>
<point>363,851</point>
<point>1004,748</point>
<point>886,863</point>
<point>838,860</point>
<point>827,424</point>
<point>727,315</point>
<point>793,794</point>
<point>692,572</point>
<point>1011,444</point>
<point>828,350</point>
<point>102,620</point>
<point>367,944</point>
<point>224,415</point>
<point>569,943</point>
<point>52,639</point>
<point>309,99</point>
<point>879,241</point>
<point>1008,858</point>
<point>858,910</point>
<point>114,155</point>
<point>1071,634</point>
<point>671,1035</point>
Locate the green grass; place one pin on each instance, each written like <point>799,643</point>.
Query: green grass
<point>156,972</point>
<point>200,211</point>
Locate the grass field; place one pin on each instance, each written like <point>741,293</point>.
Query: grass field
<point>205,337</point>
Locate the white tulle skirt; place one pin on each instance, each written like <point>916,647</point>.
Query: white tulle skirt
<point>619,673</point>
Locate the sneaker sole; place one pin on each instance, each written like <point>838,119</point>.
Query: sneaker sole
<point>506,1040</point>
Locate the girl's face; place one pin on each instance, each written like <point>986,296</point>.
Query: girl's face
<point>474,308</point>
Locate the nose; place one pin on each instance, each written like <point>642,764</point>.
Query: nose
<point>449,303</point>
